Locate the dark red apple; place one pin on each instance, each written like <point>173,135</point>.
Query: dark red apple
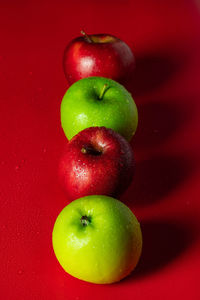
<point>97,161</point>
<point>98,55</point>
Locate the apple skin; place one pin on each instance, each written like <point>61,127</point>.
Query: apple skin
<point>97,239</point>
<point>101,55</point>
<point>81,107</point>
<point>105,168</point>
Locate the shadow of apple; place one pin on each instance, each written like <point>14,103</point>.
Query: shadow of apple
<point>158,120</point>
<point>163,242</point>
<point>155,178</point>
<point>154,69</point>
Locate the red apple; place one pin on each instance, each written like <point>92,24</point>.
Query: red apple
<point>98,55</point>
<point>97,161</point>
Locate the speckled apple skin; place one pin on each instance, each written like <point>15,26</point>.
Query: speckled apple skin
<point>81,107</point>
<point>108,173</point>
<point>104,251</point>
<point>113,59</point>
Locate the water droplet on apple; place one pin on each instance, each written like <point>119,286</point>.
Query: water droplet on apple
<point>20,272</point>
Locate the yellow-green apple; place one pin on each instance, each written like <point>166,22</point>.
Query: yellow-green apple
<point>98,101</point>
<point>97,239</point>
<point>96,161</point>
<point>98,55</point>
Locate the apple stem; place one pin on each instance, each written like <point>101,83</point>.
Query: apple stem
<point>89,40</point>
<point>85,220</point>
<point>83,150</point>
<point>104,88</point>
<point>91,150</point>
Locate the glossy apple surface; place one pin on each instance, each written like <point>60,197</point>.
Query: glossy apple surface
<point>97,239</point>
<point>98,101</point>
<point>98,55</point>
<point>96,161</point>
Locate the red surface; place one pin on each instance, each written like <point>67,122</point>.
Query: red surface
<point>165,37</point>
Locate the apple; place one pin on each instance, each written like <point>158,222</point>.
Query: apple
<point>98,55</point>
<point>98,101</point>
<point>97,239</point>
<point>96,161</point>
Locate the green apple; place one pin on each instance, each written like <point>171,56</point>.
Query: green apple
<point>97,239</point>
<point>98,101</point>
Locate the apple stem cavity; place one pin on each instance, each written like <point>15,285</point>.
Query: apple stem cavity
<point>104,89</point>
<point>85,221</point>
<point>90,150</point>
<point>88,39</point>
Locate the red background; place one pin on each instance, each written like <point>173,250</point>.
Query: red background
<point>165,37</point>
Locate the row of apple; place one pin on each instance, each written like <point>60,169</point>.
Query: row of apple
<point>97,238</point>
